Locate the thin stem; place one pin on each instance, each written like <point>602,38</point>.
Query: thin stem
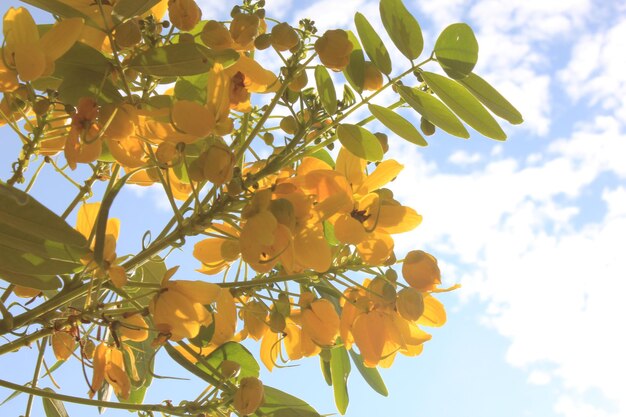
<point>29,403</point>
<point>168,409</point>
<point>25,340</point>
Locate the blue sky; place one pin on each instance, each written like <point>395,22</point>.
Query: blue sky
<point>533,228</point>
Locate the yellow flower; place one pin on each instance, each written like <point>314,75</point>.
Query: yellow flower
<point>248,76</point>
<point>320,320</point>
<point>334,49</point>
<point>200,120</point>
<point>370,319</point>
<point>8,79</point>
<point>372,77</point>
<point>217,253</point>
<point>184,14</point>
<point>421,271</point>
<point>83,143</point>
<point>30,55</point>
<point>134,328</point>
<point>216,36</point>
<point>243,29</point>
<point>178,310</point>
<point>108,364</point>
<point>249,396</point>
<point>225,318</point>
<point>254,315</point>
<point>284,37</point>
<point>63,344</point>
<point>25,292</point>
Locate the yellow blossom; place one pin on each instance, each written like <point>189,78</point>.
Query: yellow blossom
<point>108,364</point>
<point>184,14</point>
<point>334,48</point>
<point>421,271</point>
<point>178,310</point>
<point>249,396</point>
<point>30,55</point>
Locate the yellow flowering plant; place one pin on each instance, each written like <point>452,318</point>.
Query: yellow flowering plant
<point>275,186</point>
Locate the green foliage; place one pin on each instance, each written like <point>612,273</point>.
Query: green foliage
<point>361,142</point>
<point>491,98</point>
<point>36,244</point>
<point>326,89</point>
<point>456,50</point>
<point>397,124</point>
<point>374,46</point>
<point>340,370</point>
<point>464,104</point>
<point>402,28</point>
<point>433,110</point>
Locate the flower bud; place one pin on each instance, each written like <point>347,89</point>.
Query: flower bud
<point>216,36</point>
<point>63,345</point>
<point>334,49</point>
<point>288,125</point>
<point>427,127</point>
<point>277,322</point>
<point>166,153</point>
<point>229,369</point>
<point>372,77</point>
<point>25,292</point>
<point>421,271</point>
<point>219,164</point>
<point>89,347</point>
<point>244,28</point>
<point>410,304</point>
<point>184,14</point>
<point>284,37</point>
<point>384,141</point>
<point>299,82</point>
<point>127,34</point>
<point>263,42</point>
<point>249,396</point>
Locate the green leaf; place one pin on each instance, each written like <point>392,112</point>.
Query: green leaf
<point>402,28</point>
<point>326,372</point>
<point>174,60</point>
<point>180,359</point>
<point>84,72</point>
<point>235,352</point>
<point>397,124</point>
<point>225,57</point>
<point>360,142</point>
<point>144,357</point>
<point>456,50</point>
<point>355,71</point>
<point>323,155</point>
<point>374,46</point>
<point>370,375</point>
<point>329,234</point>
<point>433,110</point>
<point>280,404</point>
<point>340,370</point>
<point>326,89</point>
<point>493,100</point>
<point>35,243</point>
<point>464,104</point>
<point>52,407</point>
<point>56,7</point>
<point>126,9</point>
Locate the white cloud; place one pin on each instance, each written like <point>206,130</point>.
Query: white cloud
<point>463,158</point>
<point>596,70</point>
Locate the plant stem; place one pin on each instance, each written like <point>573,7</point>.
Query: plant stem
<point>168,409</point>
<point>29,403</point>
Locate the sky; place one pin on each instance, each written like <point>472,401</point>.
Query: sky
<point>533,228</point>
